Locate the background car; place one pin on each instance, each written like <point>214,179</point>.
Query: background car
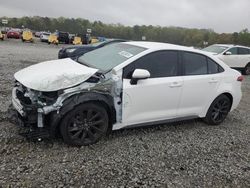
<point>75,51</point>
<point>71,38</point>
<point>63,37</point>
<point>14,33</point>
<point>27,36</point>
<point>235,56</point>
<point>38,34</point>
<point>44,37</point>
<point>1,35</point>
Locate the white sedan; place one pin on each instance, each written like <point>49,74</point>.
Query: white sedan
<point>44,37</point>
<point>124,85</point>
<point>237,57</point>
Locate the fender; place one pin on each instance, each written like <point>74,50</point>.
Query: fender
<point>68,104</point>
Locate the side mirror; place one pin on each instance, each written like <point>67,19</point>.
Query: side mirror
<point>139,74</point>
<point>228,53</point>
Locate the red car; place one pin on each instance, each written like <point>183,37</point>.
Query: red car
<point>13,34</point>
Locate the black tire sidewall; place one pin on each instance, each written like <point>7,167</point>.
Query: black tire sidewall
<point>209,120</point>
<point>245,70</point>
<point>64,123</point>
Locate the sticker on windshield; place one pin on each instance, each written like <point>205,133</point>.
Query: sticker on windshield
<point>126,54</point>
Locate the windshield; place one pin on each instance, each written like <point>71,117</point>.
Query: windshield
<point>108,57</point>
<point>215,49</point>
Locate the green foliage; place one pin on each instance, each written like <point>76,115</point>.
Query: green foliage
<point>175,35</point>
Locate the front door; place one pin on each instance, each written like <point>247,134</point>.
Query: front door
<point>232,59</point>
<point>156,98</point>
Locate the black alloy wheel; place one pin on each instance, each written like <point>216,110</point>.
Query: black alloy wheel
<point>84,125</point>
<point>218,110</point>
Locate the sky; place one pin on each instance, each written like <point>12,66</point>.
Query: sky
<point>220,15</point>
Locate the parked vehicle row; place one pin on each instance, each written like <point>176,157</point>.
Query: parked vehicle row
<point>235,56</point>
<point>53,38</point>
<point>124,85</point>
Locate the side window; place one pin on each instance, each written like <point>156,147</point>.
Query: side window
<point>213,67</point>
<point>194,64</point>
<point>234,51</point>
<point>159,64</point>
<point>244,51</point>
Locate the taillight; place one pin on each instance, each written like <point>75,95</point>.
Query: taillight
<point>240,78</point>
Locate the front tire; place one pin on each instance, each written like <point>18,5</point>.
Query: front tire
<point>218,110</point>
<point>84,125</point>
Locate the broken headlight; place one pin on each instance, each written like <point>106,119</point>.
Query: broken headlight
<point>48,98</point>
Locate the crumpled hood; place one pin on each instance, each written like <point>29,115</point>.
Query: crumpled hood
<point>54,75</point>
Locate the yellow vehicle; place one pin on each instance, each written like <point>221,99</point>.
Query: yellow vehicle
<point>27,36</point>
<point>1,35</point>
<point>94,40</point>
<point>53,39</point>
<point>77,40</point>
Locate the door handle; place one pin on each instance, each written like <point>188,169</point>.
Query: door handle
<point>175,84</point>
<point>213,80</point>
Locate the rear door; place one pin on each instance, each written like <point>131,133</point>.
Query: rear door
<point>201,78</point>
<point>156,98</point>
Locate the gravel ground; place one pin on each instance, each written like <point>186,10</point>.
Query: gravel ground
<point>186,154</point>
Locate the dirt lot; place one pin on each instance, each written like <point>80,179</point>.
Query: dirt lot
<point>186,154</point>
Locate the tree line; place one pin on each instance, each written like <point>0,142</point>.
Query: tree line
<point>175,35</point>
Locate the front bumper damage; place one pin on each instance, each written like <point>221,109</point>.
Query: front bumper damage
<point>41,118</point>
<point>29,116</point>
<point>42,115</point>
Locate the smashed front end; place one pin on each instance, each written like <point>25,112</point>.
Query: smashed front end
<point>42,112</point>
<point>28,107</point>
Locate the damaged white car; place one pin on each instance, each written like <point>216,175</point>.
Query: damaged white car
<point>124,85</point>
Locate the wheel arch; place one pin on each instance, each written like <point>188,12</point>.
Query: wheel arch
<point>230,96</point>
<point>247,64</point>
<point>104,100</point>
<point>244,71</point>
<point>227,93</point>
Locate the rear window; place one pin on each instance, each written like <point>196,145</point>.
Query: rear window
<point>243,51</point>
<point>196,64</point>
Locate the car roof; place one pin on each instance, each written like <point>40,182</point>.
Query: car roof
<point>231,45</point>
<point>159,46</point>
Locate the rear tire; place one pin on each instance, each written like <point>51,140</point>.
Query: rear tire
<point>246,70</point>
<point>218,110</point>
<point>84,125</point>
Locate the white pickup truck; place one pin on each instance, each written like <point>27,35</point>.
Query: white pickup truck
<point>237,57</point>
